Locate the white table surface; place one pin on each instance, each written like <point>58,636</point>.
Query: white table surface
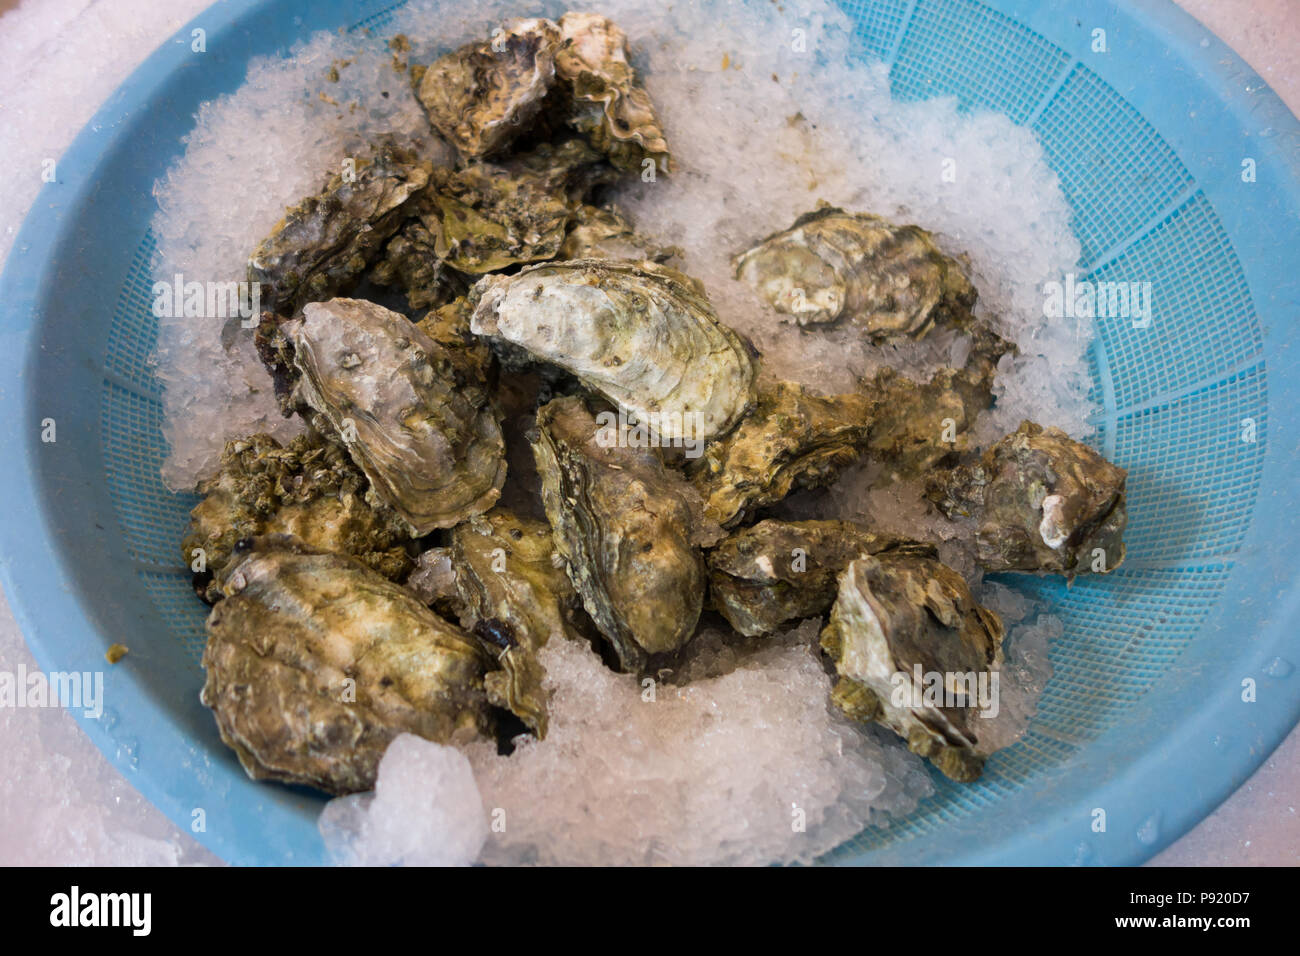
<point>60,800</point>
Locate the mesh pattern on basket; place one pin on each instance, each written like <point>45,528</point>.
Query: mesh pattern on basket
<point>1174,396</point>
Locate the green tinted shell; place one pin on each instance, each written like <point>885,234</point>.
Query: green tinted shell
<point>791,438</point>
<point>314,664</point>
<point>1042,502</point>
<point>515,597</point>
<point>485,218</point>
<point>309,488</point>
<point>481,96</point>
<point>920,426</point>
<point>624,524</point>
<point>763,577</point>
<point>411,262</point>
<point>324,245</point>
<point>901,610</point>
<point>892,281</point>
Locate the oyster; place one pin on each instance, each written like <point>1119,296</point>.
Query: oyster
<point>324,245</point>
<point>597,232</point>
<point>569,166</point>
<point>624,524</point>
<point>911,647</point>
<point>515,598</point>
<point>922,426</point>
<point>309,488</point>
<point>890,280</point>
<point>314,664</point>
<point>1042,502</point>
<point>791,438</point>
<point>428,441</point>
<point>779,571</point>
<point>919,427</point>
<point>642,335</point>
<point>481,96</point>
<point>606,103</point>
<point>411,261</point>
<point>484,218</point>
<point>468,357</point>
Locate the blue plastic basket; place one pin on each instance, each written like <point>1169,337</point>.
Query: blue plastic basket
<point>1145,716</point>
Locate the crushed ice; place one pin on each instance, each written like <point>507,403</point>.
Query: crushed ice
<point>745,764</point>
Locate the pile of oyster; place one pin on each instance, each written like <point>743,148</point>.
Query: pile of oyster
<point>524,425</point>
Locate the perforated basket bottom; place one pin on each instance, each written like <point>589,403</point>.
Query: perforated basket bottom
<point>1173,396</point>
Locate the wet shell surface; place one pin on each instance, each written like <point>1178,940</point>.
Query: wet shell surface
<point>642,335</point>
<point>314,664</point>
<point>892,281</point>
<point>430,445</point>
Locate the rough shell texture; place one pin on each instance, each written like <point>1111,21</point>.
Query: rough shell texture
<point>315,663</point>
<point>1043,502</point>
<point>899,610</point>
<point>569,165</point>
<point>642,335</point>
<point>922,426</point>
<point>763,577</point>
<point>469,357</point>
<point>792,437</point>
<point>428,441</point>
<point>623,523</point>
<point>919,427</point>
<point>890,280</point>
<point>412,263</point>
<point>324,245</point>
<point>601,232</point>
<point>433,581</point>
<point>484,218</point>
<point>515,597</point>
<point>481,96</point>
<point>608,105</point>
<point>309,488</point>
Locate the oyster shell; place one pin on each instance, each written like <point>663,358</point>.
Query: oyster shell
<point>314,664</point>
<point>762,577</point>
<point>624,524</point>
<point>484,218</point>
<point>428,441</point>
<point>433,581</point>
<point>922,426</point>
<point>642,335</point>
<point>791,438</point>
<point>468,357</point>
<point>570,166</point>
<point>902,613</point>
<point>606,103</point>
<point>890,280</point>
<point>515,598</point>
<point>484,94</point>
<point>411,261</point>
<point>324,244</point>
<point>1042,502</point>
<point>309,488</point>
<point>597,232</point>
<point>919,427</point>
